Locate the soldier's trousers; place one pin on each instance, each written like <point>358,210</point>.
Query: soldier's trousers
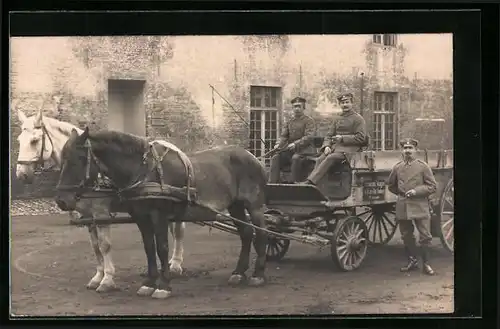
<point>407,228</point>
<point>283,159</point>
<point>323,164</point>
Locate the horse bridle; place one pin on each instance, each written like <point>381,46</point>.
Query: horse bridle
<point>84,185</point>
<point>39,162</point>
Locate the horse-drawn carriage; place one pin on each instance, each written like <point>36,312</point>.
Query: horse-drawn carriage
<point>348,210</point>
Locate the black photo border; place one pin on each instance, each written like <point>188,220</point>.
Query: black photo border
<point>475,57</point>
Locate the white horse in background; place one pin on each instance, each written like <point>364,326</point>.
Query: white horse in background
<point>42,138</point>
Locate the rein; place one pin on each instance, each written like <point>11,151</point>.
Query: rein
<point>39,161</point>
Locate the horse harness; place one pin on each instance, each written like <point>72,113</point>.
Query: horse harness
<point>167,191</point>
<point>162,190</point>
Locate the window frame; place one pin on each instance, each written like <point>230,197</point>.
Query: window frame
<point>259,114</point>
<point>386,39</point>
<point>381,111</point>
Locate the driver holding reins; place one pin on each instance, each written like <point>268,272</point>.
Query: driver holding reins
<point>296,138</point>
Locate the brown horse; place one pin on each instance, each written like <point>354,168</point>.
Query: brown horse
<point>227,178</point>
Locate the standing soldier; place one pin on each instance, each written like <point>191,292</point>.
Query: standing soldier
<point>298,133</point>
<point>347,134</point>
<point>413,182</point>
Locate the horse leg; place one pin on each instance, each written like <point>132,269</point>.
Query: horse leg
<point>104,235</point>
<point>148,239</point>
<point>99,274</point>
<point>237,210</point>
<point>177,231</point>
<point>259,243</point>
<point>160,224</point>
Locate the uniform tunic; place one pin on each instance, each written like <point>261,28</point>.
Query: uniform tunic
<point>351,126</point>
<point>299,130</point>
<point>415,175</point>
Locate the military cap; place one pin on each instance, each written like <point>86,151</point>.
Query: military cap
<point>298,100</point>
<point>409,141</point>
<point>345,96</point>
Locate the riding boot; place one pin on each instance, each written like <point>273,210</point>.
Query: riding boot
<point>426,268</point>
<point>412,261</point>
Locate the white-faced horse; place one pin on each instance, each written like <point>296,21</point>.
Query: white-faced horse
<point>42,138</point>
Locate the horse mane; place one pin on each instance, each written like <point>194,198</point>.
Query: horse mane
<point>121,141</point>
<point>64,128</point>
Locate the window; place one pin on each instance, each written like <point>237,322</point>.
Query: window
<point>264,97</point>
<point>390,40</point>
<point>384,121</point>
<point>264,119</point>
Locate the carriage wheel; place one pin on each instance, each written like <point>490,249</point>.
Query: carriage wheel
<point>381,223</point>
<point>350,243</point>
<point>446,215</point>
<point>276,248</point>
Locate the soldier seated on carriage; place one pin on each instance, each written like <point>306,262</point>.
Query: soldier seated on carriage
<point>297,138</point>
<point>346,135</point>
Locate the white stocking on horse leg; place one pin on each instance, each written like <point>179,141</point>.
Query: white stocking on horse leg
<point>97,278</point>
<point>177,230</point>
<point>107,282</point>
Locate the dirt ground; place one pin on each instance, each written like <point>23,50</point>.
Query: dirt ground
<point>51,262</point>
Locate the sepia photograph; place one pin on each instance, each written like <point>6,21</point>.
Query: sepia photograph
<point>231,175</point>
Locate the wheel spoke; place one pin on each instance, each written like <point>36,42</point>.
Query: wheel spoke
<point>385,226</point>
<point>392,223</point>
<point>343,254</point>
<point>380,229</point>
<point>377,223</point>
<point>370,218</point>
<point>449,233</point>
<point>364,213</point>
<point>341,247</point>
<point>344,241</point>
<point>277,249</point>
<point>448,222</point>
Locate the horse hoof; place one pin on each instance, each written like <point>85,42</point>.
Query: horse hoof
<point>235,279</point>
<point>106,288</point>
<point>256,281</point>
<point>92,285</point>
<point>161,294</point>
<point>145,291</point>
<point>176,269</point>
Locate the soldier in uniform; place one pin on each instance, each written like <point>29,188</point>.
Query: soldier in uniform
<point>297,138</point>
<point>347,134</point>
<point>413,181</point>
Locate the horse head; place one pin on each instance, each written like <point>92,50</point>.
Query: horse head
<point>35,145</point>
<point>78,170</point>
<point>118,156</point>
